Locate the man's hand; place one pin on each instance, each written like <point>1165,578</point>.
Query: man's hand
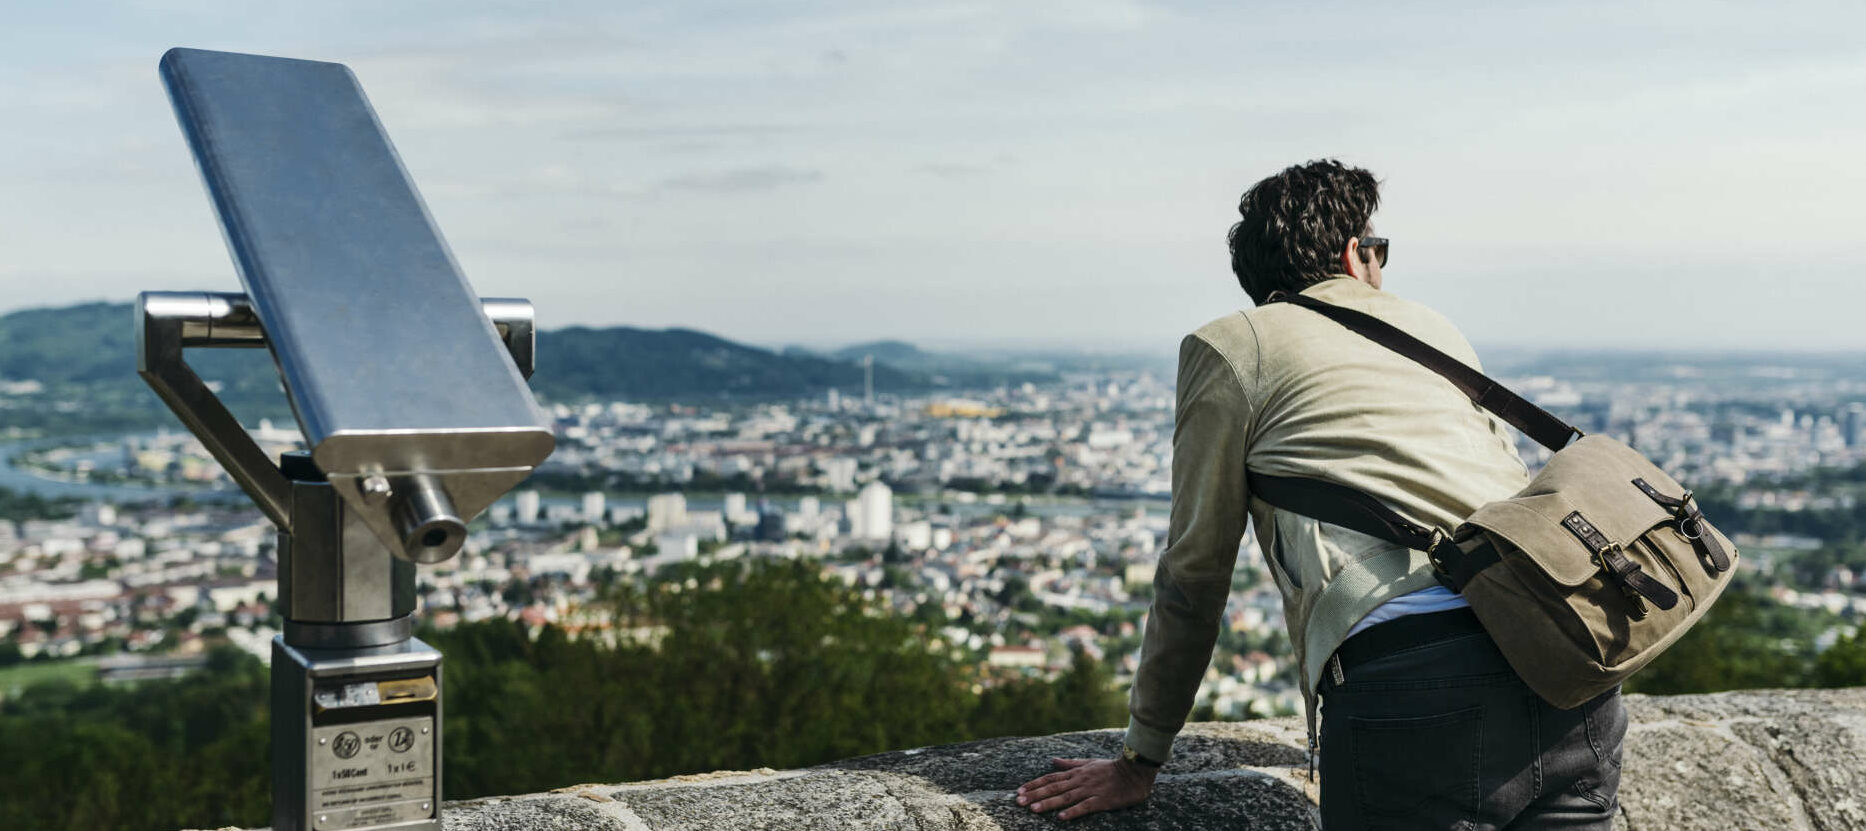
<point>1083,786</point>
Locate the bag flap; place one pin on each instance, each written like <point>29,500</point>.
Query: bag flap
<point>1595,476</point>
<point>1533,524</point>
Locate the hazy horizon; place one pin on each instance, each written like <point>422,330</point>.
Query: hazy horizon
<point>1574,175</point>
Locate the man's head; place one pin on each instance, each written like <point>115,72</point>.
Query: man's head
<point>1303,225</point>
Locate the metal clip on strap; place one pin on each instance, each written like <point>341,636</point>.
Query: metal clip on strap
<point>1691,526</point>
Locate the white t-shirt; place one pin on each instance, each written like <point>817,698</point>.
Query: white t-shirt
<point>1433,599</point>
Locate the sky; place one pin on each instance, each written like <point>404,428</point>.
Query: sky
<point>1600,175</point>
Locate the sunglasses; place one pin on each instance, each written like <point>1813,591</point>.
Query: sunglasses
<point>1377,247</point>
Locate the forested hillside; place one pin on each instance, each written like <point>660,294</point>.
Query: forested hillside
<point>750,664</point>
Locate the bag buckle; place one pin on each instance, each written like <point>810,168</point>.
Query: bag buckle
<point>1627,574</point>
<point>1432,547</point>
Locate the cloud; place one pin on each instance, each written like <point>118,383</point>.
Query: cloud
<point>682,131</point>
<point>744,179</point>
<point>950,170</point>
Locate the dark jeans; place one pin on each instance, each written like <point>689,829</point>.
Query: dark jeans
<point>1444,735</point>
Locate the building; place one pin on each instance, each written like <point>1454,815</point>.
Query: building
<point>529,502</point>
<point>1017,657</point>
<point>683,545</point>
<point>593,506</point>
<point>770,527</point>
<point>839,474</point>
<point>666,510</point>
<point>735,511</point>
<point>871,513</point>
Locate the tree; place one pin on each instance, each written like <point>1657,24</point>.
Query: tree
<point>1844,663</point>
<point>1745,641</point>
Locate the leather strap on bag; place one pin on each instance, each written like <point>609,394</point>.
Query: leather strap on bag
<point>1691,526</point>
<point>1338,504</point>
<point>1536,423</point>
<point>1349,508</point>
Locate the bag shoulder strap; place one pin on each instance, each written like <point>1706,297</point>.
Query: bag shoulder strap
<point>1338,504</point>
<point>1536,423</point>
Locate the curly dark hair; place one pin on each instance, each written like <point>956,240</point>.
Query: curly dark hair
<point>1295,224</point>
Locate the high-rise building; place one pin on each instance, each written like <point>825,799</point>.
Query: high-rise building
<point>868,381</point>
<point>770,527</point>
<point>528,504</point>
<point>734,505</point>
<point>874,512</point>
<point>666,510</point>
<point>808,506</point>
<point>593,507</point>
<point>840,472</point>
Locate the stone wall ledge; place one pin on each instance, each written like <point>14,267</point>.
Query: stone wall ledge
<point>1755,759</point>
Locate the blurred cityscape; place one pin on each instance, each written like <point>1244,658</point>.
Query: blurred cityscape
<point>1018,524</point>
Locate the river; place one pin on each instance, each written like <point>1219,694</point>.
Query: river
<point>27,481</point>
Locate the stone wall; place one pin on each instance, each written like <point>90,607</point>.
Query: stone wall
<point>1761,759</point>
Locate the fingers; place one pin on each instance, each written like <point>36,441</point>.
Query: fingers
<point>1062,799</point>
<point>1059,785</point>
<point>1045,779</point>
<point>1084,808</point>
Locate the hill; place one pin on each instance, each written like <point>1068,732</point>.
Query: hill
<point>86,354</point>
<point>943,369</point>
<point>893,352</point>
<point>626,362</point>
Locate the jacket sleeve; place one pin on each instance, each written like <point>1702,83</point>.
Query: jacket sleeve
<point>1193,579</point>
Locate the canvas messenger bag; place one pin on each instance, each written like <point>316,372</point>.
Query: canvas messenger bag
<point>1582,577</point>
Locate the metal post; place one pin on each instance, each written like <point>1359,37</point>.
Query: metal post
<point>410,394</point>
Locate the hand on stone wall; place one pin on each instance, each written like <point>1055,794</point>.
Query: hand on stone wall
<point>1084,786</point>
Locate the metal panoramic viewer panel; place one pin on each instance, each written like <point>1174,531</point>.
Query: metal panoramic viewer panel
<point>409,401</point>
<point>380,340</point>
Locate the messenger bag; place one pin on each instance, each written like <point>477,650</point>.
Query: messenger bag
<point>1582,577</point>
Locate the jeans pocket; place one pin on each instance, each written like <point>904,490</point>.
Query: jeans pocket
<point>1422,768</point>
<point>1606,727</point>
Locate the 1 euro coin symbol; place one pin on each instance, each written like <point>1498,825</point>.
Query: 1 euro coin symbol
<point>401,740</point>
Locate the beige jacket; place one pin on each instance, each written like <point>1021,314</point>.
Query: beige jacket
<point>1287,392</point>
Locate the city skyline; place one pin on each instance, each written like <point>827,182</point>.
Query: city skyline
<point>1569,175</point>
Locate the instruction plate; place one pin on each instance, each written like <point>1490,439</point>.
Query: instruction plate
<point>372,773</point>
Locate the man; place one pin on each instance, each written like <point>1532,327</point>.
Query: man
<point>1426,725</point>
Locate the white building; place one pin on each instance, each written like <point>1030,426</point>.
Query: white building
<point>736,512</point>
<point>666,510</point>
<point>916,536</point>
<point>593,505</point>
<point>871,513</point>
<point>528,504</point>
<point>840,473</point>
<point>685,545</point>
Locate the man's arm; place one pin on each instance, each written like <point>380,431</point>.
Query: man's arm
<point>1193,580</point>
<point>1191,585</point>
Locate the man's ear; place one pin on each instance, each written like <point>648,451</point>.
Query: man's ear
<point>1351,259</point>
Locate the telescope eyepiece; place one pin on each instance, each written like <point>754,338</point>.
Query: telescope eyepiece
<point>424,516</point>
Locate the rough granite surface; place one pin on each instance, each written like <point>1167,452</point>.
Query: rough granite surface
<point>1757,759</point>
